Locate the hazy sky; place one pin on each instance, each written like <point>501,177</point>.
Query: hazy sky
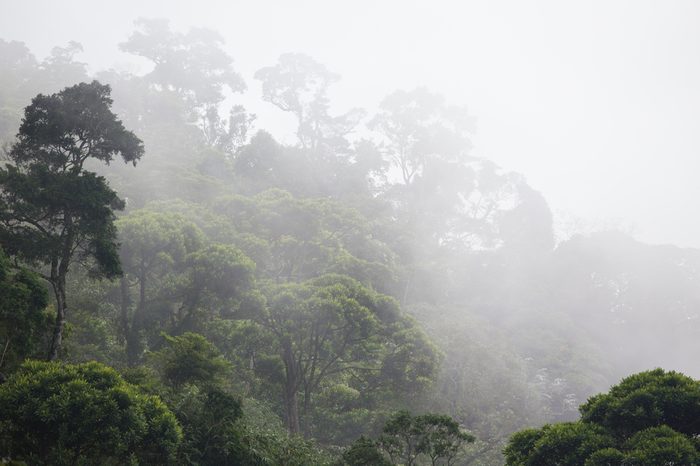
<point>596,102</point>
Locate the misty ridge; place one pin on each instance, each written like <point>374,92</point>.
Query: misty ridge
<point>371,292</point>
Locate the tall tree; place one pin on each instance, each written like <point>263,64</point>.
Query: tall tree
<point>333,328</point>
<point>53,210</point>
<point>153,244</point>
<point>194,67</point>
<point>299,84</point>
<point>417,125</point>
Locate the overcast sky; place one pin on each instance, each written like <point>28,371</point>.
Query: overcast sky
<point>597,103</point>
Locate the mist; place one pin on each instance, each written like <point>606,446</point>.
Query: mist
<point>572,96</point>
<point>336,216</point>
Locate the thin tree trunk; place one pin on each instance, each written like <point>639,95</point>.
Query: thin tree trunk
<point>59,288</point>
<point>134,347</point>
<point>124,304</point>
<point>290,390</point>
<point>59,272</point>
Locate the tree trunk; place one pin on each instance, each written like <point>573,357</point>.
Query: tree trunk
<point>59,289</point>
<point>290,400</point>
<point>305,412</point>
<point>134,347</point>
<point>59,272</point>
<point>125,301</point>
<point>290,390</point>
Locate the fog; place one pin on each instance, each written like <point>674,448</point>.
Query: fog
<point>335,216</point>
<point>596,103</point>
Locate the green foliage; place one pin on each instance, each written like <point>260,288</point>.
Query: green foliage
<point>566,444</point>
<point>305,238</point>
<point>209,415</point>
<point>268,443</point>
<point>222,269</point>
<point>33,202</point>
<point>333,328</point>
<point>442,437</point>
<point>61,131</point>
<point>364,452</point>
<point>90,335</point>
<point>176,280</point>
<point>153,246</point>
<point>83,414</point>
<point>647,399</point>
<point>662,445</point>
<point>411,440</point>
<point>250,244</point>
<point>51,208</point>
<point>24,321</point>
<point>521,445</point>
<point>647,419</point>
<point>155,240</point>
<point>605,457</point>
<point>406,437</point>
<point>190,359</point>
<point>195,385</point>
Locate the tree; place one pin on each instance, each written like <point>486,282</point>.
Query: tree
<point>364,452</point>
<point>210,414</point>
<point>190,359</point>
<point>442,437</point>
<point>306,238</point>
<point>174,279</point>
<point>417,125</point>
<point>194,67</point>
<point>647,419</point>
<point>661,445</point>
<point>53,210</point>
<point>648,399</point>
<point>332,328</point>
<point>409,440</point>
<point>566,444</point>
<point>227,135</point>
<point>152,245</point>
<point>216,277</point>
<point>63,414</point>
<point>192,64</point>
<point>405,437</point>
<point>299,85</point>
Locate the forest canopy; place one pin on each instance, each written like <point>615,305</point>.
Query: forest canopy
<point>373,292</point>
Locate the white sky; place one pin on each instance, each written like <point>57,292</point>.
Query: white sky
<point>596,102</point>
